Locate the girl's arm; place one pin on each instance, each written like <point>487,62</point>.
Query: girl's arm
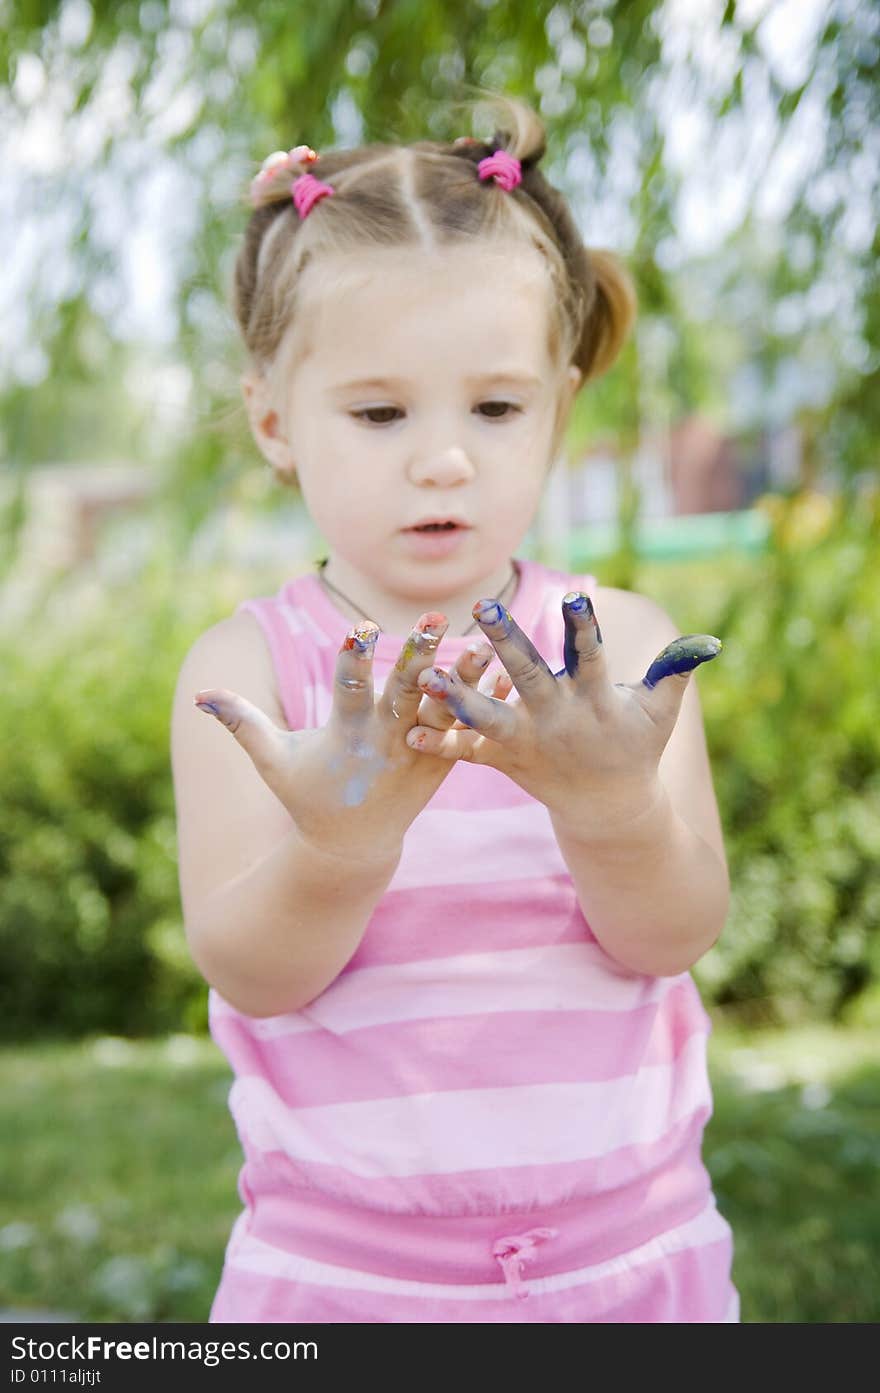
<point>289,839</point>
<point>269,921</point>
<point>621,769</point>
<point>652,881</point>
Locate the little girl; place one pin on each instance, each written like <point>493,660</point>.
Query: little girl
<point>447,935</point>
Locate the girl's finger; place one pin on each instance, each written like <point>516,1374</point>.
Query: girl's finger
<point>503,686</point>
<point>528,671</point>
<point>353,678</point>
<point>583,650</point>
<point>257,734</point>
<point>498,686</point>
<point>469,668</point>
<point>400,696</point>
<point>662,688</point>
<point>451,744</point>
<point>471,707</point>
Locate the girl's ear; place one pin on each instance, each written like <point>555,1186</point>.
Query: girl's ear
<point>570,384</point>
<point>575,377</point>
<point>265,426</point>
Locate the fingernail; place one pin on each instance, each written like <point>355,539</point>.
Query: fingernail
<point>434,679</point>
<point>480,654</point>
<point>361,638</point>
<point>577,602</point>
<point>433,624</point>
<point>491,612</point>
<point>207,706</point>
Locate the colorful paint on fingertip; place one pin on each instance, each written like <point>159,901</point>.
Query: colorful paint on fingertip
<point>423,638</point>
<point>434,680</point>
<point>433,623</point>
<point>492,611</point>
<point>361,639</point>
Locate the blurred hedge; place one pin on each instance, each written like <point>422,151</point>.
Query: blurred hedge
<point>793,722</point>
<point>90,924</point>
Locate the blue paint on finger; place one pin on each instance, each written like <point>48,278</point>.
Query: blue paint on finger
<point>492,612</point>
<point>441,687</point>
<point>575,606</point>
<point>682,655</point>
<point>457,706</point>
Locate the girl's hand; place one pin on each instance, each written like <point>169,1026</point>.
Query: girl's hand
<point>353,786</point>
<point>469,668</point>
<point>586,748</point>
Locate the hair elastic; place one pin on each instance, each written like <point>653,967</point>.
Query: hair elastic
<point>305,189</point>
<point>504,168</point>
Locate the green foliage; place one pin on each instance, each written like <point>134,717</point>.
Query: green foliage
<point>90,934</point>
<point>791,718</point>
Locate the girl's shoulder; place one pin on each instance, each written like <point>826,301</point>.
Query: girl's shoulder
<point>634,629</point>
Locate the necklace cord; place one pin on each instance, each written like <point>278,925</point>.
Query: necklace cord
<point>330,586</point>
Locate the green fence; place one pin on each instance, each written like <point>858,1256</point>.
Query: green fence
<point>674,538</point>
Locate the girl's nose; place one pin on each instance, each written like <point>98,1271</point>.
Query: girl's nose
<point>443,467</point>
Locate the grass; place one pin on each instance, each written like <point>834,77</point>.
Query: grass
<point>119,1191</point>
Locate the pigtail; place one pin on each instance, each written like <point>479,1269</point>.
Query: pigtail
<point>610,317</point>
<point>519,130</point>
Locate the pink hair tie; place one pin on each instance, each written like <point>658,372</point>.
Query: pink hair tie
<point>307,190</point>
<point>506,169</point>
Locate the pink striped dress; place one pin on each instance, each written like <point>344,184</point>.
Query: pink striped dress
<point>484,1117</point>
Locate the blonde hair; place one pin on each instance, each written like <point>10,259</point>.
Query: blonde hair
<point>427,195</point>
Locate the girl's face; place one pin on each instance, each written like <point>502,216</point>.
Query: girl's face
<point>426,390</point>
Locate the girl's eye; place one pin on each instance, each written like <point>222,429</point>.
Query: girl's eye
<point>371,412</point>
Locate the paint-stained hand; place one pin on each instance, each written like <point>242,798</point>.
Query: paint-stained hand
<point>470,669</point>
<point>353,786</point>
<point>572,736</point>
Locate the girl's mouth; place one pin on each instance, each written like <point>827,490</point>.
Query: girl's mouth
<point>435,538</point>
